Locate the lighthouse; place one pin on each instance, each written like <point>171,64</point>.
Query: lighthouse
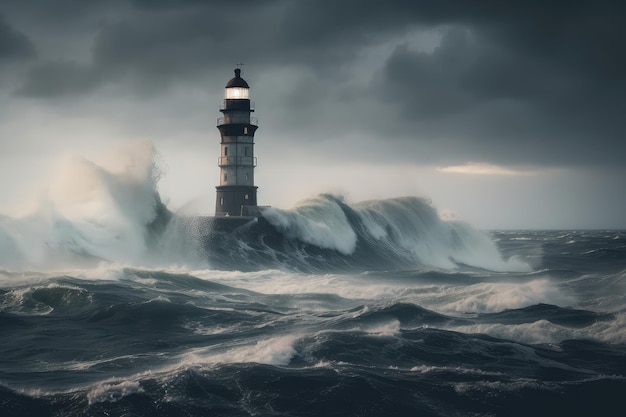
<point>236,194</point>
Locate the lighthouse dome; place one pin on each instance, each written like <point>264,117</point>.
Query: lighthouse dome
<point>237,81</point>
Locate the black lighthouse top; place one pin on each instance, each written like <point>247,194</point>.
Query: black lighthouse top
<point>237,81</point>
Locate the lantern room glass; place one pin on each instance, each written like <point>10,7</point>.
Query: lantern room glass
<point>236,93</point>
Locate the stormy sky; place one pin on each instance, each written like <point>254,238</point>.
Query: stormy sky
<point>506,114</point>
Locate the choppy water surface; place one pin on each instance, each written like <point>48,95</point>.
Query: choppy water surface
<point>118,340</point>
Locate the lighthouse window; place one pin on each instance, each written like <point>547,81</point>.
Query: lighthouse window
<point>225,177</point>
<point>246,196</point>
<point>246,178</point>
<point>225,150</point>
<point>221,201</point>
<point>245,130</point>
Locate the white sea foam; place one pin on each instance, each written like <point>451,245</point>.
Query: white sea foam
<point>19,301</point>
<point>541,331</point>
<point>498,296</point>
<point>470,388</point>
<point>448,299</point>
<point>351,287</point>
<point>274,351</point>
<point>390,328</point>
<point>426,369</point>
<point>113,391</point>
<point>546,332</point>
<point>610,331</point>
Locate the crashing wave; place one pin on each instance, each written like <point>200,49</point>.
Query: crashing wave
<point>113,212</point>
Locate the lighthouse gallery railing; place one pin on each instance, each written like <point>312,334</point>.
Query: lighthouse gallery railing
<point>237,120</point>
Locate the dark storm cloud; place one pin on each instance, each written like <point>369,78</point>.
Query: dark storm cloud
<point>510,82</point>
<point>160,43</point>
<point>13,44</point>
<point>543,87</point>
<point>195,37</point>
<point>513,82</point>
<point>59,78</point>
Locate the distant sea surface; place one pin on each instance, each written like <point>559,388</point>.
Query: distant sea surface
<point>377,309</point>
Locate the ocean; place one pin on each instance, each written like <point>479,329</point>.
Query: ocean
<point>110,307</point>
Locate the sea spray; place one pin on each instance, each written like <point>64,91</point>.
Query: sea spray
<point>90,211</point>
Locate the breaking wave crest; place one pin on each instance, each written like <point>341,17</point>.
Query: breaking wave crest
<point>325,232</point>
<point>112,211</point>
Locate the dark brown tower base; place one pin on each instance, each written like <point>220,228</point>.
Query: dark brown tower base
<point>236,200</point>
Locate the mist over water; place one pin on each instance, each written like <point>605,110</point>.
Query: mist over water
<point>110,304</point>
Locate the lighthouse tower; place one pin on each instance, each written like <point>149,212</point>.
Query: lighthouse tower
<point>236,194</point>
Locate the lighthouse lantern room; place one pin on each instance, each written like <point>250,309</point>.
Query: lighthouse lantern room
<point>236,194</point>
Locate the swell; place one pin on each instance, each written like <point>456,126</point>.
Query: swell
<point>237,390</point>
<point>422,371</point>
<point>568,317</point>
<point>158,343</point>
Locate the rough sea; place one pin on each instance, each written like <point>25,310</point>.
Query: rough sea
<point>112,306</point>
